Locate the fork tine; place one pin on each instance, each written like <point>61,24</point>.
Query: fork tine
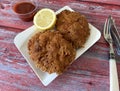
<point>105,28</point>
<point>108,25</point>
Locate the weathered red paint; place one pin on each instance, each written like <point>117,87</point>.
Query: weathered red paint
<point>90,72</point>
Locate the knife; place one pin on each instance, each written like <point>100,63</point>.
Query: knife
<point>115,35</point>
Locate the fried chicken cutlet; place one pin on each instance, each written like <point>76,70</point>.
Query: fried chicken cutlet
<point>51,52</point>
<point>74,27</point>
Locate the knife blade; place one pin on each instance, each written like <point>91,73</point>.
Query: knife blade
<point>115,35</point>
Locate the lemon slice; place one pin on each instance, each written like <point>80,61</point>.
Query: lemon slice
<point>44,19</point>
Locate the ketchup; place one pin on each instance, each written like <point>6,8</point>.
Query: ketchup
<point>25,10</point>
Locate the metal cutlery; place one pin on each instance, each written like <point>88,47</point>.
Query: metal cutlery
<point>114,85</point>
<point>115,35</point>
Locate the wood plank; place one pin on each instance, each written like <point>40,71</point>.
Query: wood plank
<point>112,2</point>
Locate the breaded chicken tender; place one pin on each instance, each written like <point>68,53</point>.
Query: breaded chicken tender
<point>74,27</point>
<point>51,52</point>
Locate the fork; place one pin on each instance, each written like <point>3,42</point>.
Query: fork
<point>114,85</point>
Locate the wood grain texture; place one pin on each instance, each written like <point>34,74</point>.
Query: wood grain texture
<point>115,2</point>
<point>90,72</point>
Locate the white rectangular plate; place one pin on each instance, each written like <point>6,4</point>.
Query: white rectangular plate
<point>21,41</point>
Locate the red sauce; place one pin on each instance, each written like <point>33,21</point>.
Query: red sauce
<point>25,10</point>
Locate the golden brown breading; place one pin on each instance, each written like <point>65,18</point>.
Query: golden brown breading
<point>74,27</point>
<point>51,52</point>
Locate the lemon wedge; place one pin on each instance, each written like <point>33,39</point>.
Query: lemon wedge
<point>44,19</point>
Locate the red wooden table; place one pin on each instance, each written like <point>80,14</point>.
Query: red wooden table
<point>89,73</point>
